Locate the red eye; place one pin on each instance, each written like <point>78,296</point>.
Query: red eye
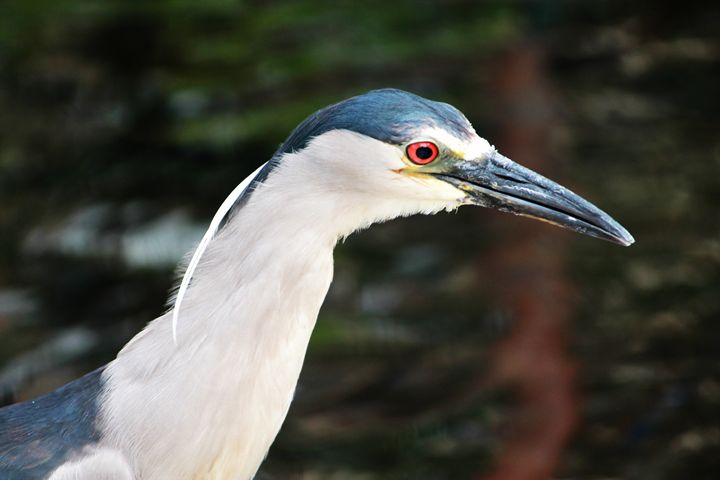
<point>422,153</point>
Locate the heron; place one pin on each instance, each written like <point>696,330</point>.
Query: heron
<point>202,391</point>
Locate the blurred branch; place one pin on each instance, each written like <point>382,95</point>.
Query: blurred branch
<point>68,346</point>
<point>529,281</point>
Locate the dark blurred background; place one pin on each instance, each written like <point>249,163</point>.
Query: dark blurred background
<point>467,346</point>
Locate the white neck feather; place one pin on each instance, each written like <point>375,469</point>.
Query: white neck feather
<point>210,406</point>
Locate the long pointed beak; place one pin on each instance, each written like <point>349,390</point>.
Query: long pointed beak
<point>498,182</point>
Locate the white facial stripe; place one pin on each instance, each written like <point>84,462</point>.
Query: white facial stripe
<point>476,148</point>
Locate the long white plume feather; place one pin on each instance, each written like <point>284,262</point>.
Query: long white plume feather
<point>209,235</point>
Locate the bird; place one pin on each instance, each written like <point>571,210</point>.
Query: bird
<point>202,391</point>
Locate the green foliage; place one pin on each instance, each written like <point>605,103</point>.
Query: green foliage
<point>140,108</point>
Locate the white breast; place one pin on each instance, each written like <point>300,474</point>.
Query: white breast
<point>210,406</point>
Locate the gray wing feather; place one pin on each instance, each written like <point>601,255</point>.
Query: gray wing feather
<point>39,435</point>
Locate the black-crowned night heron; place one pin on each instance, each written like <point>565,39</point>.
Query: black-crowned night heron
<point>202,391</point>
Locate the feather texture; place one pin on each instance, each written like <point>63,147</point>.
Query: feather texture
<point>217,220</point>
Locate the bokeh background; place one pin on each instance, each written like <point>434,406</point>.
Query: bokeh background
<point>464,346</point>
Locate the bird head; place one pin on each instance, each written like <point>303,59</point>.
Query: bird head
<point>392,153</point>
<point>389,153</point>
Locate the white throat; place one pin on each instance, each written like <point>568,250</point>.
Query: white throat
<point>210,406</point>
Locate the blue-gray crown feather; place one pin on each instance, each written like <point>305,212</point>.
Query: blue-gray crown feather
<point>389,115</point>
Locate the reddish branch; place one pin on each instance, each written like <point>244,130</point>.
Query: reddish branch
<point>532,286</point>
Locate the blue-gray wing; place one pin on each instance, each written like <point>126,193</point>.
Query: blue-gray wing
<point>39,435</point>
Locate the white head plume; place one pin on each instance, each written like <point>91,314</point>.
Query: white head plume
<point>236,194</point>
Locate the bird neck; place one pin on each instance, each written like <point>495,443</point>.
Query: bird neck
<point>225,388</point>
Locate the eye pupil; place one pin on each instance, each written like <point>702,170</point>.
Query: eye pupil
<point>423,153</point>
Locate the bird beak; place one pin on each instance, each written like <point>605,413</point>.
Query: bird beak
<point>498,182</point>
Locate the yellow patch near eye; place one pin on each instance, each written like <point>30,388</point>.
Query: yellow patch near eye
<point>416,173</point>
<point>409,170</point>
